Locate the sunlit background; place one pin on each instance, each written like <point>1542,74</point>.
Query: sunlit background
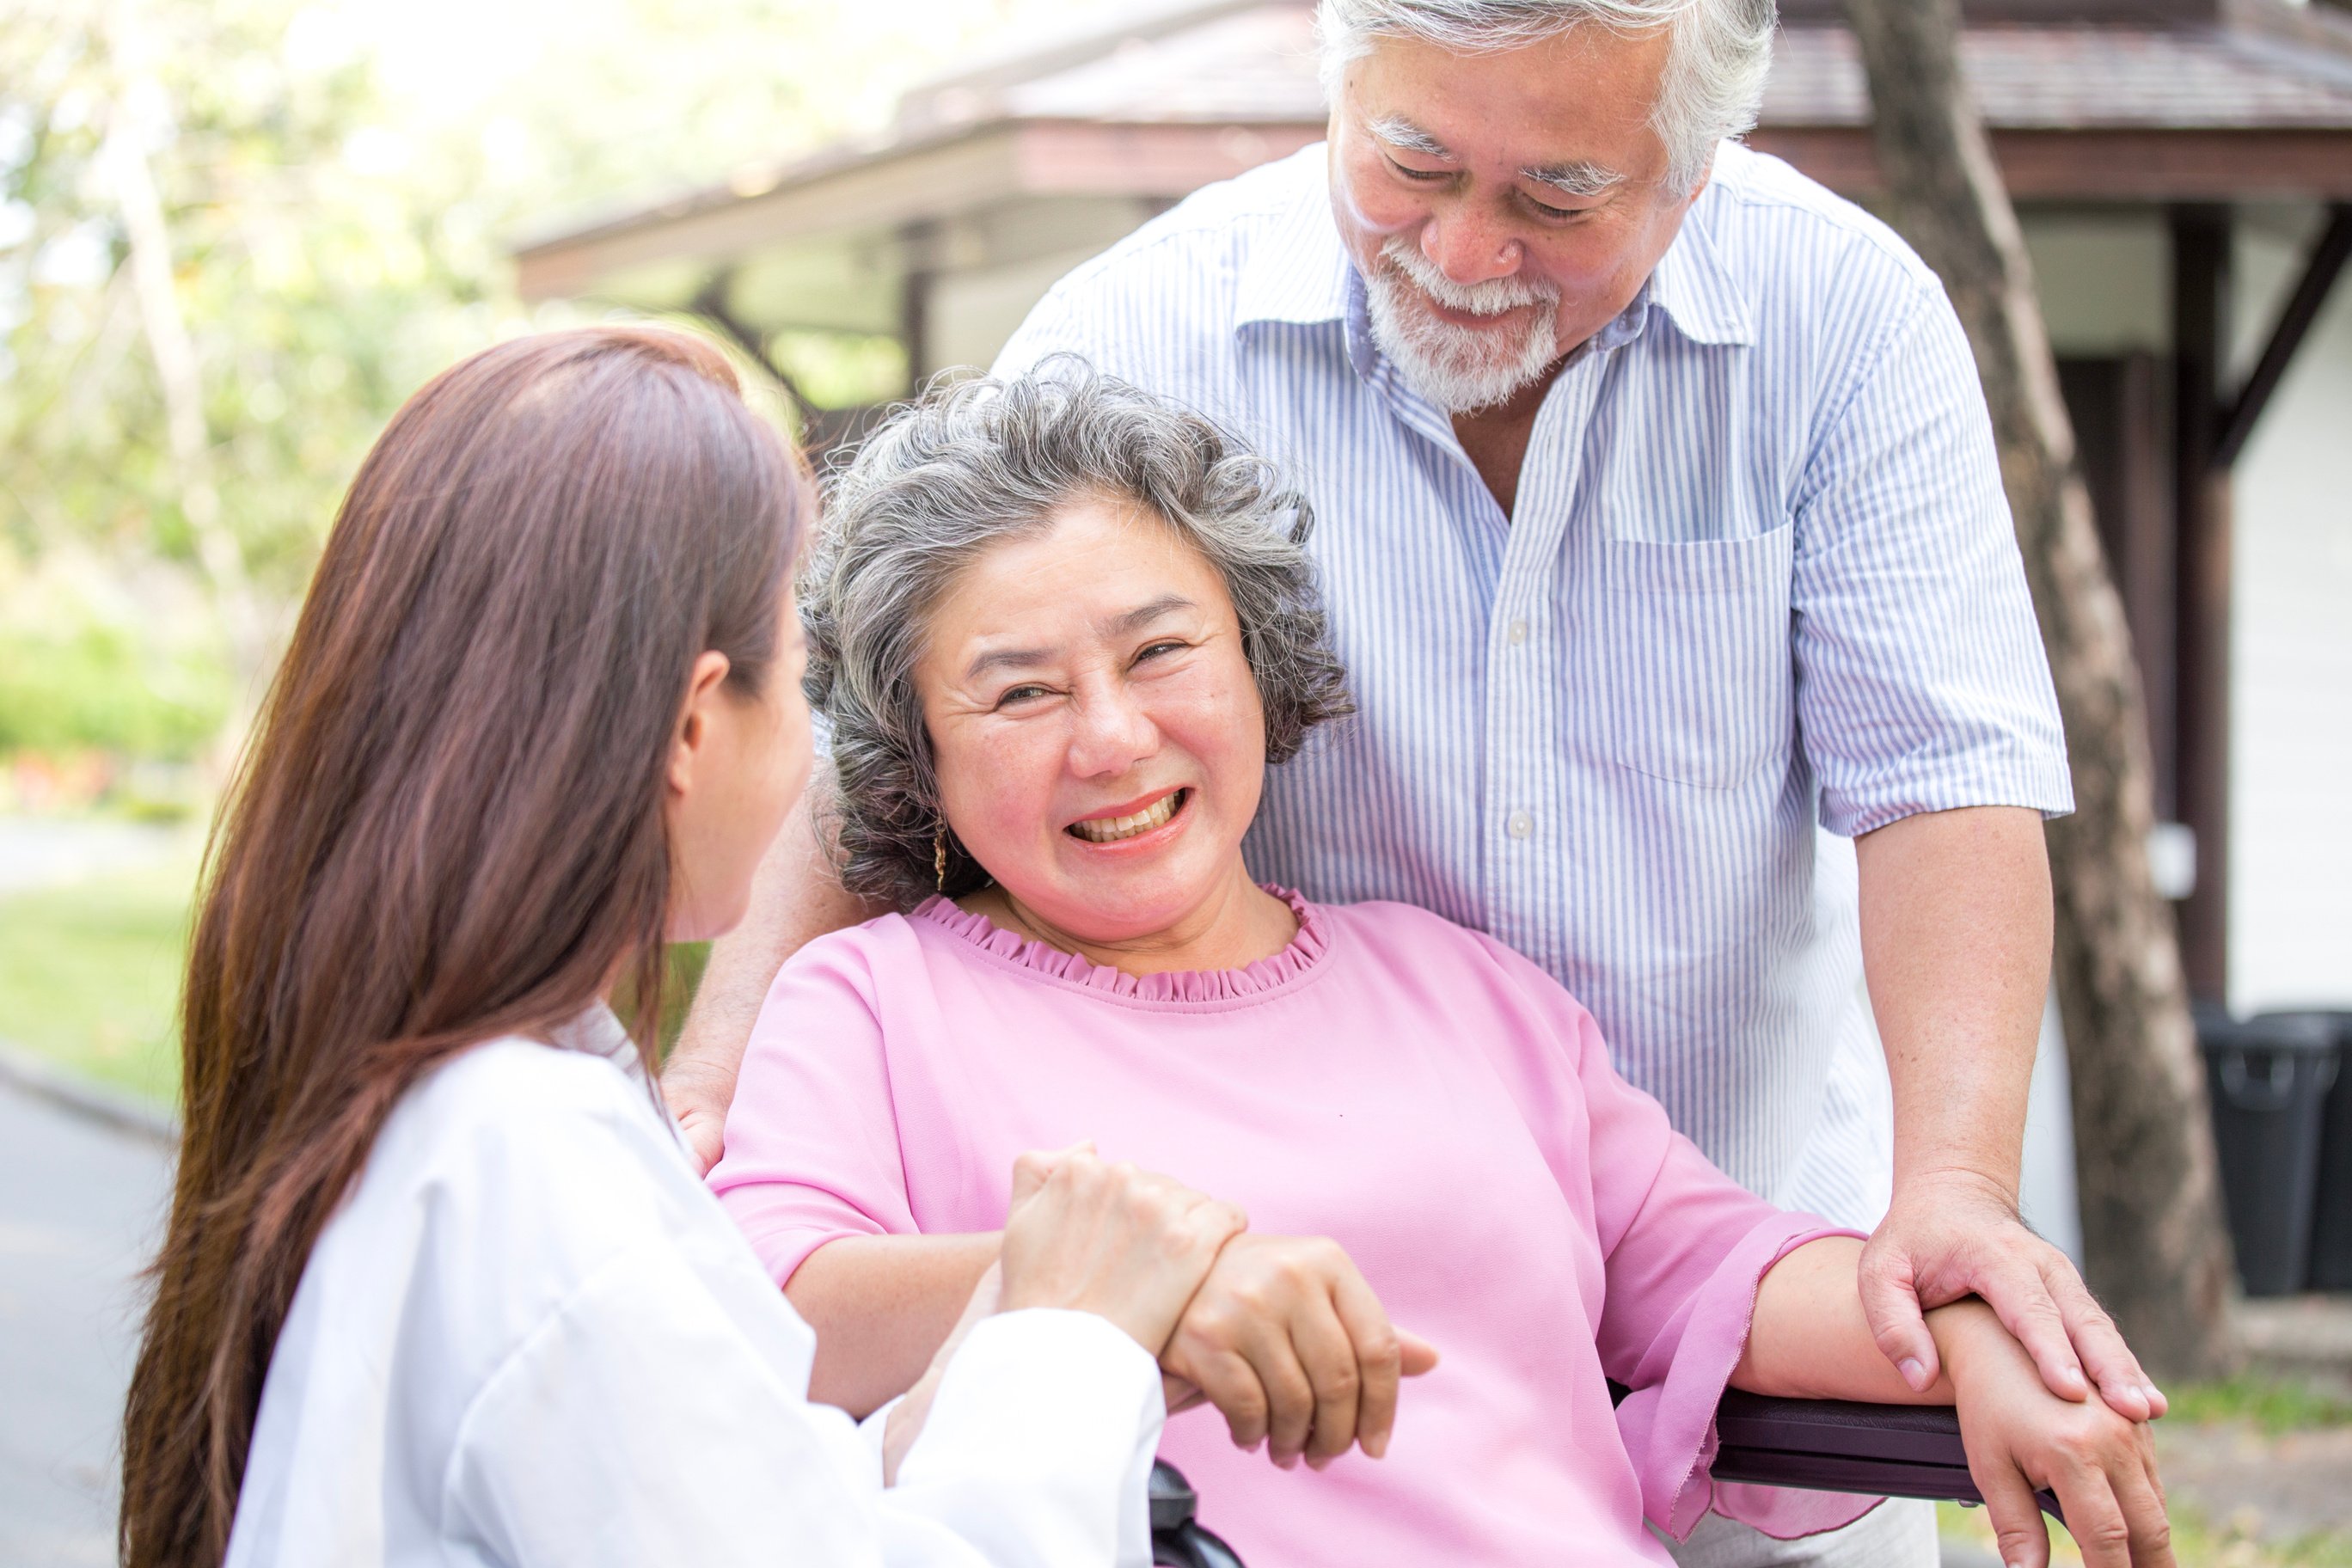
<point>236,234</point>
<point>337,185</point>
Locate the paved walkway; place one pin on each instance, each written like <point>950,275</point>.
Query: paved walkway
<point>80,1206</point>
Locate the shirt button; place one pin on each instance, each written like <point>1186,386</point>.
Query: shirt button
<point>1520,824</point>
<point>1518,633</point>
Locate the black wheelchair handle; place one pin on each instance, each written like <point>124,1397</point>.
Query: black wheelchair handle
<point>1178,1539</point>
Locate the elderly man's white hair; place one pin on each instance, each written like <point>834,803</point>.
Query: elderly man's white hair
<point>1715,67</point>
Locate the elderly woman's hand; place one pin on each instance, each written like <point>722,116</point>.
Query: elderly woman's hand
<point>1289,1343</point>
<point>2020,1437</point>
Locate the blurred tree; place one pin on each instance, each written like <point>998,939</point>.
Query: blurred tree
<point>2154,1249</point>
<point>206,317</point>
<point>235,233</point>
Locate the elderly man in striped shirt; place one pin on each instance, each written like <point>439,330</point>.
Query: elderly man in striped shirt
<point>1663,540</point>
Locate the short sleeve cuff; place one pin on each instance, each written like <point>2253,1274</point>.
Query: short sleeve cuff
<point>782,1242</point>
<point>1669,1426</point>
<point>2037,783</point>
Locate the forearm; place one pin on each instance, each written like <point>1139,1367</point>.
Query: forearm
<point>1809,1339</point>
<point>796,898</point>
<point>881,1307</point>
<point>1956,932</point>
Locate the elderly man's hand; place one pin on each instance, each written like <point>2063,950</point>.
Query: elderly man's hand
<point>1289,1343</point>
<point>1952,1235</point>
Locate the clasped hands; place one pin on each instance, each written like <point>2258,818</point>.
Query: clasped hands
<point>1284,1336</point>
<point>1280,1334</point>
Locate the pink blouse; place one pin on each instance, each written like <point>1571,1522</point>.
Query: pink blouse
<point>1412,1089</point>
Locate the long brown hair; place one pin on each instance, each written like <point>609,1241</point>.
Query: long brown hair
<point>448,826</point>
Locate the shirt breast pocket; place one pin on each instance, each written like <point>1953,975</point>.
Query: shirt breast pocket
<point>1688,655</point>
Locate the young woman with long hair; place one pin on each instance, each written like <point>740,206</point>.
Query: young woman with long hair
<point>440,1284</point>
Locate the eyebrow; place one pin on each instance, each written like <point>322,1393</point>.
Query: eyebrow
<point>1406,137</point>
<point>1005,657</point>
<point>1579,178</point>
<point>1117,626</point>
<point>1144,614</point>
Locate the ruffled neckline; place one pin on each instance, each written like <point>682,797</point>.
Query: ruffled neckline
<point>1295,962</point>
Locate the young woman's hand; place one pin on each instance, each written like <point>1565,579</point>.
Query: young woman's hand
<point>1109,1239</point>
<point>2021,1437</point>
<point>1291,1347</point>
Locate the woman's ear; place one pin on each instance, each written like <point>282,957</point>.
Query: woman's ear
<point>698,719</point>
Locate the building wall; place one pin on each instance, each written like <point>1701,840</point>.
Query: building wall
<point>992,265</point>
<point>2103,278</point>
<point>974,312</point>
<point>2291,724</point>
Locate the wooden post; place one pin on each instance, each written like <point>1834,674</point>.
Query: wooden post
<point>2200,340</point>
<point>916,243</point>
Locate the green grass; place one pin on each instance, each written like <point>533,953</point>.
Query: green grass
<point>2197,1542</point>
<point>2271,1403</point>
<point>89,975</point>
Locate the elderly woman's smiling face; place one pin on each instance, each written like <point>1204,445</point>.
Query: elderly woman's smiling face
<point>1099,741</point>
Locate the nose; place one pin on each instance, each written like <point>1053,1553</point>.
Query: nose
<point>1113,732</point>
<point>1468,246</point>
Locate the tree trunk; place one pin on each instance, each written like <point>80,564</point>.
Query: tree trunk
<point>220,556</point>
<point>2154,1245</point>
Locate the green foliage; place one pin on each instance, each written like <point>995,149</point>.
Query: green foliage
<point>340,181</point>
<point>96,687</point>
<point>682,966</point>
<point>315,299</point>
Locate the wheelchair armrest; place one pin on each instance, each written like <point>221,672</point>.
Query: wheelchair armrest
<point>1835,1446</point>
<point>1812,1445</point>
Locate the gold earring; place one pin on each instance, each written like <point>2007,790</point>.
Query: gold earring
<point>939,856</point>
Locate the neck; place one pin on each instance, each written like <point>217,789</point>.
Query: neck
<point>1235,924</point>
<point>1495,439</point>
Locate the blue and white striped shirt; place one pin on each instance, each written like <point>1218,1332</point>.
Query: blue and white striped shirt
<point>1759,576</point>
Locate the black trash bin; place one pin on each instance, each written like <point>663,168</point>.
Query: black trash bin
<point>2331,1217</point>
<point>2269,1078</point>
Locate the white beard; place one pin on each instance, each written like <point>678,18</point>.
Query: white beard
<point>1460,369</point>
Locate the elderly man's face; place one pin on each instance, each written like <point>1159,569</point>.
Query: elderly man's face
<point>1501,207</point>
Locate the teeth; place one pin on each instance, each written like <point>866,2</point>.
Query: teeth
<point>1111,829</point>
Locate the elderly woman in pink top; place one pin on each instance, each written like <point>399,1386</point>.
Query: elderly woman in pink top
<point>1060,630</point>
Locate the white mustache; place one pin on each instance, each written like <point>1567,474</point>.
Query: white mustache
<point>1492,298</point>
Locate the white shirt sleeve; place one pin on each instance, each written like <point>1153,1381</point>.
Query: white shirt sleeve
<point>640,1423</point>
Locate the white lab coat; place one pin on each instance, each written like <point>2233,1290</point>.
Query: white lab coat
<point>531,1336</point>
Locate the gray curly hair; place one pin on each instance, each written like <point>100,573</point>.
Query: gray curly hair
<point>976,461</point>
